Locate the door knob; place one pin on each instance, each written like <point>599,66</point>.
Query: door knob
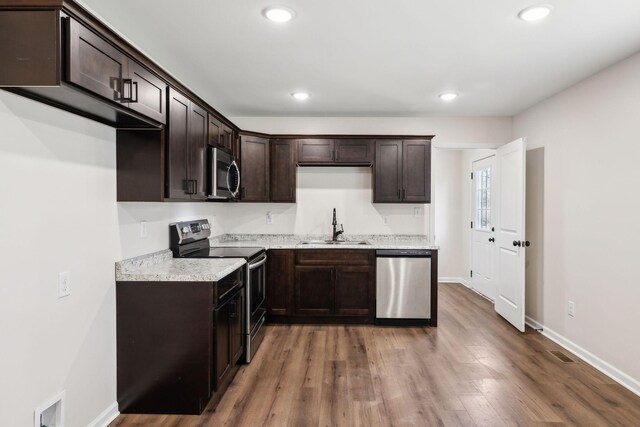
<point>516,243</point>
<point>491,239</point>
<point>526,243</point>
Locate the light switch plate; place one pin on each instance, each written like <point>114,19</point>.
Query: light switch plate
<point>64,284</point>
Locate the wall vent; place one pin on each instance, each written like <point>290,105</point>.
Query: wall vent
<point>51,413</point>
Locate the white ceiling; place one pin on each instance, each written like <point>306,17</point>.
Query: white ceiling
<point>376,57</point>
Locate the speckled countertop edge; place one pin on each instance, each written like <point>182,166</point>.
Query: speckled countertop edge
<point>162,267</point>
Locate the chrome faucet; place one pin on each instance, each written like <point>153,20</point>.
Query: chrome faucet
<point>336,233</point>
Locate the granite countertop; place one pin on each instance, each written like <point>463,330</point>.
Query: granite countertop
<point>162,267</point>
<point>292,241</point>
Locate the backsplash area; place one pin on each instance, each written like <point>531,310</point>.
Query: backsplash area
<point>319,190</point>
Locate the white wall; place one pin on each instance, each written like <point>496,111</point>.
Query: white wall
<point>320,189</point>
<point>447,177</point>
<point>57,186</point>
<point>59,213</point>
<point>590,251</point>
<point>448,131</point>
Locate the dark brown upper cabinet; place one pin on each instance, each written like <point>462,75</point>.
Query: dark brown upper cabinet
<point>215,131</point>
<point>336,152</point>
<point>402,172</point>
<point>227,138</point>
<point>315,151</point>
<point>98,67</point>
<point>186,149</point>
<point>353,151</point>
<point>254,169</point>
<point>283,171</point>
<point>416,171</point>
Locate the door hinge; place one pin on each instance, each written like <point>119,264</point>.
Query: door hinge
<point>471,224</point>
<point>471,273</point>
<point>471,175</point>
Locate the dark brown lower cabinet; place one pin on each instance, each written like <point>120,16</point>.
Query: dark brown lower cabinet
<point>354,291</point>
<point>321,286</point>
<point>314,290</point>
<point>178,345</point>
<point>228,338</point>
<point>280,281</point>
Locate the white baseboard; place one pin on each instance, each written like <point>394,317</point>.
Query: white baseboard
<point>454,280</point>
<point>612,372</point>
<point>106,416</point>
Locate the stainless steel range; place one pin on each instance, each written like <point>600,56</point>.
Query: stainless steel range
<point>190,239</point>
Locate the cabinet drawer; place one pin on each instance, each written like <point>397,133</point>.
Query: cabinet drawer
<point>334,256</point>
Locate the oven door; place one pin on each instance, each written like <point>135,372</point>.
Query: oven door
<point>256,285</point>
<point>224,175</point>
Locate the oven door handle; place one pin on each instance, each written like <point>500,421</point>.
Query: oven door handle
<point>258,263</point>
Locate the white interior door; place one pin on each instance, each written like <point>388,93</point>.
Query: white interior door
<point>483,246</point>
<point>510,183</point>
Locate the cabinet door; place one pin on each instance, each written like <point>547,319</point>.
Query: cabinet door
<point>222,350</point>
<point>388,172</point>
<point>416,171</point>
<point>236,332</point>
<point>148,93</point>
<point>354,152</point>
<point>215,131</point>
<point>314,293</point>
<point>198,151</point>
<point>227,137</point>
<point>283,171</point>
<point>178,147</point>
<point>254,175</point>
<point>93,63</point>
<point>315,151</point>
<point>280,279</point>
<point>354,288</point>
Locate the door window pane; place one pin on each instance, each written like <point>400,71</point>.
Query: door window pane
<point>483,199</point>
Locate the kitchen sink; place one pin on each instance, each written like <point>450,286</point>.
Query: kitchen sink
<point>331,242</point>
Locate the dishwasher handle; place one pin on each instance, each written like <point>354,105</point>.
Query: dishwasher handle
<point>403,253</point>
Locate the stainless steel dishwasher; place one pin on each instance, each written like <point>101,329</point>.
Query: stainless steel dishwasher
<point>403,286</point>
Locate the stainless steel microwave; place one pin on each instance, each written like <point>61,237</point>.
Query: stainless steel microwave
<point>223,175</point>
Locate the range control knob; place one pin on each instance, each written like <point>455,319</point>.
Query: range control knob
<point>185,230</point>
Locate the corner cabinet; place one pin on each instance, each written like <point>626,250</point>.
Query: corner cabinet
<point>283,171</point>
<point>254,169</point>
<point>402,171</point>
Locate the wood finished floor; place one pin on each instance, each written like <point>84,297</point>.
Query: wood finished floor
<point>474,369</point>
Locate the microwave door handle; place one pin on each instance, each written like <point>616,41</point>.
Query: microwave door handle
<point>234,191</point>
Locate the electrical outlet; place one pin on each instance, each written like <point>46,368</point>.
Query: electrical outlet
<point>571,308</point>
<point>269,218</point>
<point>417,211</point>
<point>143,229</point>
<point>385,220</point>
<point>64,284</point>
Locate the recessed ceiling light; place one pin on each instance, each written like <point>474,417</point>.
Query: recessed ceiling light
<point>535,13</point>
<point>301,96</point>
<point>279,14</point>
<point>448,96</point>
